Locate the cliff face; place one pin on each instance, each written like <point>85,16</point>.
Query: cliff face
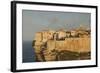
<point>62,45</point>
<point>70,44</point>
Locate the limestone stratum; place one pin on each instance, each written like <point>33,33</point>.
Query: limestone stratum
<point>62,45</point>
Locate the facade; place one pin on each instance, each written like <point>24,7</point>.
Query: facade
<point>61,34</point>
<point>38,36</point>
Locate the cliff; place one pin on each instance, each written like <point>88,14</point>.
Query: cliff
<point>62,45</point>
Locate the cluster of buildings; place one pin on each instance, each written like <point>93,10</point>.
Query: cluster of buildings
<point>61,34</point>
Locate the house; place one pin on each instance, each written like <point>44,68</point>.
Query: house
<point>73,33</point>
<point>61,34</point>
<point>51,34</point>
<point>68,34</point>
<point>38,36</point>
<point>48,35</point>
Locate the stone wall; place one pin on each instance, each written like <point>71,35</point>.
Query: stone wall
<point>70,44</point>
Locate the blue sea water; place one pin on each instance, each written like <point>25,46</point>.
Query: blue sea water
<point>28,52</point>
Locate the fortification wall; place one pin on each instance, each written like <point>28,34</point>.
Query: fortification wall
<point>70,44</point>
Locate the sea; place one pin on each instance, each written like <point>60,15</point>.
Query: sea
<point>28,54</point>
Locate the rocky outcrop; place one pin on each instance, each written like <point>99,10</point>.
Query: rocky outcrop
<point>62,45</point>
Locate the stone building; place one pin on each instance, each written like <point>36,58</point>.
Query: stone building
<point>74,33</point>
<point>38,36</point>
<point>61,34</point>
<point>68,34</point>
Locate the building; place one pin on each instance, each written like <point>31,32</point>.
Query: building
<point>38,36</point>
<point>61,34</point>
<point>74,33</point>
<point>68,34</point>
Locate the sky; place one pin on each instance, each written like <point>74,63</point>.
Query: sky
<point>35,21</point>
